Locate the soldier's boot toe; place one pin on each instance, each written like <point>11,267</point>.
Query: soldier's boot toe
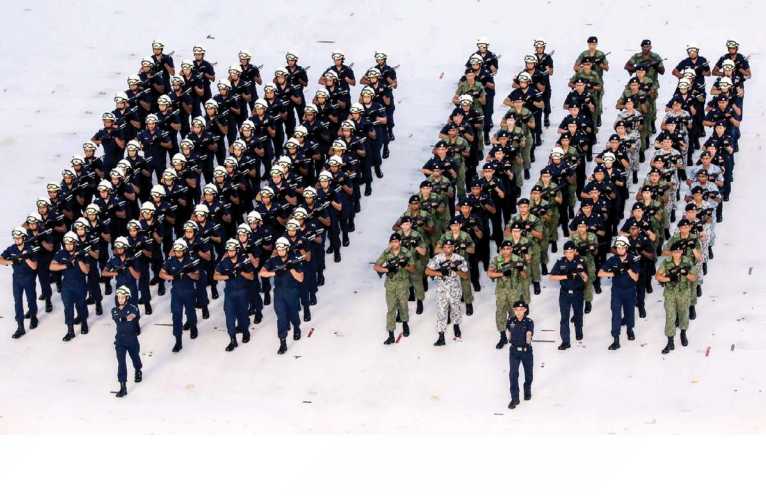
<point>411,297</point>
<point>390,339</point>
<point>514,402</point>
<point>296,335</point>
<point>148,308</point>
<point>503,341</point>
<point>615,344</point>
<point>670,346</point>
<point>684,340</point>
<point>186,326</point>
<point>440,341</point>
<point>543,268</point>
<point>214,292</point>
<point>33,322</point>
<point>232,344</point>
<point>257,317</point>
<point>631,335</point>
<point>138,376</point>
<point>123,391</point>
<point>161,288</point>
<point>84,328</point>
<point>564,346</point>
<point>245,336</point>
<point>699,291</point>
<point>588,307</point>
<point>527,393</point>
<point>19,332</point>
<point>306,314</point>
<point>336,257</point>
<point>469,308</point>
<point>178,346</point>
<point>69,335</point>
<point>554,247</point>
<point>378,172</point>
<point>405,329</point>
<point>312,298</point>
<point>282,346</point>
<point>267,298</point>
<point>419,307</point>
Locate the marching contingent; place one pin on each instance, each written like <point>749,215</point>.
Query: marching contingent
<point>586,199</point>
<point>251,190</point>
<point>254,186</point>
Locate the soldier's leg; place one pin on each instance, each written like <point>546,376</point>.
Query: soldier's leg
<point>294,312</point>
<point>416,279</point>
<point>391,306</point>
<point>527,363</point>
<point>682,307</point>
<point>455,311</point>
<point>526,156</point>
<point>30,290</point>
<point>402,294</point>
<point>577,308</point>
<point>616,307</point>
<point>465,285</point>
<point>442,307</point>
<point>229,311</point>
<point>564,306</point>
<point>122,366</point>
<point>671,314</point>
<point>629,307</point>
<point>502,307</point>
<point>68,299</point>
<point>134,350</point>
<point>18,302</point>
<point>535,268</point>
<point>176,311</point>
<point>514,375</point>
<point>191,314</point>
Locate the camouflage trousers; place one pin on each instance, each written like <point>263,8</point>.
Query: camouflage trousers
<point>504,300</point>
<point>448,305</point>
<point>396,301</point>
<point>676,308</point>
<point>416,280</point>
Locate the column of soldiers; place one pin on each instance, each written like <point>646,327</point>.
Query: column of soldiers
<point>194,189</point>
<point>469,199</point>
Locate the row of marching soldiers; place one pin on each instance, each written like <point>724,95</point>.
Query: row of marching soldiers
<point>210,216</point>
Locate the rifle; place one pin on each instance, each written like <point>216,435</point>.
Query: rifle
<point>318,208</point>
<point>448,266</point>
<point>263,240</point>
<point>676,272</point>
<point>133,99</point>
<point>290,264</point>
<point>312,235</point>
<point>210,230</point>
<point>508,267</point>
<point>24,255</point>
<point>393,265</point>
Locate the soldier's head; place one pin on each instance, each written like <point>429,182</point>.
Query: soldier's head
<point>199,52</point>
<point>405,223</point>
<point>523,206</point>
<point>516,231</point>
<point>571,129</point>
<point>211,108</point>
<point>476,188</point>
<point>570,250</point>
<point>465,207</point>
<point>414,203</point>
<point>482,43</point>
<point>702,176</point>
<point>190,229</point>
<point>455,225</point>
<point>637,211</point>
<point>586,65</point>
<point>488,171</point>
<point>539,46</point>
<point>535,193</point>
<point>475,61</point>
<point>448,247</point>
<point>157,47</point>
<point>506,248</point>
<point>621,245</point>
<point>19,235</point>
<point>235,72</point>
<point>280,75</point>
<point>640,71</point>
<point>630,104</point>
<point>366,95</point>
<point>426,188</point>
<point>291,59</point>
<point>510,122</point>
<point>582,227</point>
<point>684,226</point>
<point>693,51</point>
<point>179,248</point>
<point>517,102</point>
<point>470,76</point>
<point>586,205</point>
<point>530,62</point>
<point>646,47</point>
<point>677,250</point>
<point>133,228</point>
<point>697,193</point>
<point>732,47</point>
<point>690,212</point>
<point>395,241</point>
<point>520,309</point>
<point>440,149</point>
<point>119,246</point>
<point>592,43</point>
<point>451,130</point>
<point>243,233</point>
<point>122,295</point>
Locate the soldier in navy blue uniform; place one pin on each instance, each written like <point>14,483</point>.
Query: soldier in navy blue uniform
<point>571,273</point>
<point>24,262</point>
<point>44,242</point>
<point>182,270</point>
<point>111,139</point>
<point>126,316</point>
<point>521,329</point>
<point>75,267</point>
<point>298,80</point>
<point>624,272</point>
<point>122,268</point>
<point>204,70</point>
<point>286,269</point>
<point>236,270</point>
<point>155,144</point>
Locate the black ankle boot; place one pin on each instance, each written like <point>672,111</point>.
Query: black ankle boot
<point>193,332</point>
<point>306,314</point>
<point>456,329</point>
<point>161,288</point>
<point>148,308</point>
<point>419,307</point>
<point>232,344</point>
<point>669,347</point>
<point>615,344</point>
<point>635,177</point>
<point>469,308</point>
<point>266,298</point>
<point>692,313</point>
<point>642,312</point>
<point>536,286</point>
<point>405,329</point>
<point>378,172</point>
<point>123,391</point>
<point>440,341</point>
<point>543,269</point>
<point>205,313</point>
<point>257,317</point>
<point>214,292</point>
<point>684,340</point>
<point>503,341</point>
<point>138,376</point>
<point>587,307</point>
<point>178,346</point>
<point>48,305</point>
<point>631,335</point>
<point>84,328</point>
<point>296,335</point>
<point>390,339</point>
<point>245,336</point>
<point>69,334</point>
<point>554,247</point>
<point>282,346</point>
<point>19,331</point>
<point>412,294</point>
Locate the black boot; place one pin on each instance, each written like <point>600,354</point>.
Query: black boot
<point>635,177</point>
<point>704,269</point>
<point>405,329</point>
<point>19,331</point>
<point>148,308</point>
<point>378,172</point>
<point>178,346</point>
<point>503,341</point>
<point>320,279</point>
<point>692,313</point>
<point>554,247</point>
<point>578,334</point>
<point>527,393</point>
<point>514,402</point>
<point>398,317</point>
<point>536,286</point>
<point>440,341</point>
<point>587,307</point>
<point>345,241</point>
<point>419,307</point>
<point>642,312</point>
<point>615,344</point>
<point>186,326</point>
<point>564,346</point>
<point>456,329</point>
<point>48,305</point>
<point>684,341</point>
<point>641,156</point>
<point>367,190</point>
<point>385,153</point>
<point>390,339</point>
<point>306,314</point>
<point>672,217</point>
<point>296,334</point>
<point>84,327</point>
<point>161,288</point>
<point>282,346</point>
<point>531,158</point>
<point>547,121</point>
<point>526,173</point>
<point>412,294</point>
<point>257,317</point>
<point>710,252</point>
<point>107,288</point>
<point>669,347</point>
<point>138,376</point>
<point>476,286</point>
<point>193,334</point>
<point>245,336</point>
<point>336,257</point>
<point>597,285</point>
<point>699,290</point>
<point>205,313</point>
<point>214,292</point>
<point>266,298</point>
<point>631,335</point>
<point>123,391</point>
<point>69,334</point>
<point>469,308</point>
<point>232,344</point>
<point>543,269</point>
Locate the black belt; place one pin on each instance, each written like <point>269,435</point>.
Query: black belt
<point>520,348</point>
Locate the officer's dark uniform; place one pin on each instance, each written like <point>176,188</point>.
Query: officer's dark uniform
<point>126,339</point>
<point>23,283</point>
<point>181,295</point>
<point>520,353</point>
<point>73,289</point>
<point>623,300</point>
<point>287,294</point>
<point>236,294</point>
<point>124,277</point>
<point>570,295</point>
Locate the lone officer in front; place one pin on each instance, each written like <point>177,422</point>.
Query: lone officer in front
<point>520,330</point>
<point>125,316</point>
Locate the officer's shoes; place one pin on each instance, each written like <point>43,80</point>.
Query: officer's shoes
<point>412,294</point>
<point>527,395</point>
<point>699,290</point>
<point>306,314</point>
<point>352,226</point>
<point>615,344</point>
<point>161,288</point>
<point>123,391</point>
<point>710,252</point>
<point>84,328</point>
<point>258,317</point>
<point>588,307</point>
<point>503,341</point>
<point>245,336</point>
<point>214,292</point>
<point>193,334</point>
<point>526,173</point>
<point>336,257</point>
<point>320,279</point>
<point>692,313</point>
<point>345,241</point>
<point>649,288</point>
<point>205,313</point>
<point>554,247</point>
<point>178,346</point>
<point>543,268</point>
<point>33,322</point>
<point>597,286</point>
<point>704,269</point>
<point>138,376</point>
<point>390,339</point>
<point>148,308</point>
<point>386,153</point>
<point>267,298</point>
<point>635,177</point>
<point>564,346</point>
<point>456,329</point>
<point>378,172</point>
<point>367,190</point>
<point>469,308</point>
<point>476,287</point>
<point>19,332</point>
<point>48,306</point>
<point>108,290</point>
<point>69,335</point>
<point>232,344</point>
<point>642,312</point>
<point>631,335</point>
<point>684,340</point>
<point>513,404</point>
<point>282,346</point>
<point>405,329</point>
<point>440,341</point>
<point>578,335</point>
<point>536,286</point>
<point>186,326</point>
<point>312,298</point>
<point>296,335</point>
<point>419,307</point>
<point>669,347</point>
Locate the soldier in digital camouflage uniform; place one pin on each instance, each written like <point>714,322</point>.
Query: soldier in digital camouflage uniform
<point>678,274</point>
<point>465,247</point>
<point>436,206</point>
<point>448,267</point>
<point>397,263</point>
<point>543,210</point>
<point>510,273</point>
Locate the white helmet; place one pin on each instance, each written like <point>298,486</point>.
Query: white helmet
<point>219,171</point>
<point>309,191</point>
<point>262,103</point>
<point>283,242</point>
<point>530,59</point>
<point>178,157</point>
<point>198,48</point>
<point>120,242</point>
<point>164,100</point>
<point>292,142</point>
<point>290,55</point>
<point>223,82</point>
<point>158,44</point>
<point>89,145</point>
<point>180,245</point>
<point>557,151</point>
<point>134,79</point>
<point>335,160</point>
<point>728,63</point>
<point>621,240</point>
<point>190,224</point>
<point>119,96</point>
<point>284,159</point>
<point>269,87</point>
<point>133,144</point>
<point>465,98</point>
<point>235,68</point>
<point>267,190</point>
<point>325,175</point>
<point>19,231</point>
<point>608,157</point>
<point>244,228</point>
<point>692,46</point>
<point>34,218</point>
<point>232,244</point>
<point>524,76</point>
<point>210,188</point>
<point>293,225</point>
<point>169,172</point>
<point>245,53</point>
<point>69,237</point>
<point>300,213</point>
<point>51,186</point>
<point>253,216</point>
<point>199,120</point>
<point>475,59</point>
<point>337,54</point>
<point>322,92</point>
<point>104,184</point>
<point>80,222</point>
<point>230,160</point>
<point>134,224</point>
<point>300,130</point>
<point>247,123</point>
<point>725,81</point>
<point>211,103</point>
<point>122,290</point>
<point>354,109</point>
<point>310,107</point>
<point>367,91</point>
<point>152,118</point>
<point>339,144</point>
<point>201,209</point>
<point>482,40</point>
<point>380,55</point>
<point>347,124</point>
<point>149,206</point>
<point>157,189</point>
<point>92,208</point>
<point>186,142</point>
<point>280,71</point>
<point>538,42</point>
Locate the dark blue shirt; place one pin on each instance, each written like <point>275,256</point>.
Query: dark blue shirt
<point>21,271</point>
<point>72,276</point>
<point>572,269</point>
<point>518,330</point>
<point>126,328</point>
<point>233,269</point>
<point>175,267</point>
<point>284,280</point>
<point>124,277</point>
<point>619,268</point>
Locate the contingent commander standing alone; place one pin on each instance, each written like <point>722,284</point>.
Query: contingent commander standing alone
<point>520,328</point>
<point>125,316</point>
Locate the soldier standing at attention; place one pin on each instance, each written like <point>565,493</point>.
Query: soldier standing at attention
<point>521,328</point>
<point>397,262</point>
<point>125,315</point>
<point>676,273</point>
<point>449,268</point>
<point>509,271</point>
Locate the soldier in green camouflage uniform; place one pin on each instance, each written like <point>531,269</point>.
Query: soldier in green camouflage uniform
<point>692,249</point>
<point>532,229</point>
<point>465,247</point>
<point>520,246</point>
<point>397,263</point>
<point>594,84</point>
<point>544,211</point>
<point>473,88</point>
<point>422,221</point>
<point>442,186</point>
<point>651,60</point>
<point>678,274</point>
<point>436,206</point>
<point>517,140</point>
<point>458,149</point>
<point>599,65</point>
<point>586,243</point>
<point>509,271</point>
<point>551,193</point>
<point>525,120</point>
<point>413,241</point>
